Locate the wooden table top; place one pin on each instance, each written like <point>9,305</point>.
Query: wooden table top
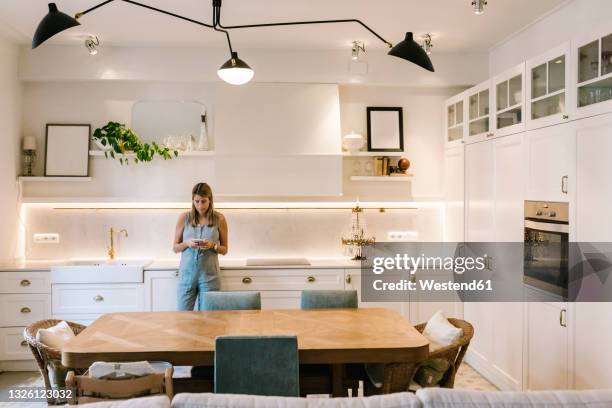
<point>331,336</point>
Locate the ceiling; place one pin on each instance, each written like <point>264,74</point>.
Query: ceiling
<point>454,26</point>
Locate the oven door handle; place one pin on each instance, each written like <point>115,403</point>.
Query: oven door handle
<point>547,226</point>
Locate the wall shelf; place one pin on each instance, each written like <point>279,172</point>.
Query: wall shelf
<point>373,154</point>
<point>53,179</point>
<point>383,178</point>
<point>194,153</point>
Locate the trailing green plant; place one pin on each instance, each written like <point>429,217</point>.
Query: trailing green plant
<point>123,140</point>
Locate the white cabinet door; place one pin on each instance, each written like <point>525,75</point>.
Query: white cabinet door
<point>508,98</point>
<point>479,122</point>
<point>592,76</point>
<point>455,113</point>
<point>594,179</point>
<point>548,89</point>
<point>12,344</point>
<point>550,160</point>
<point>592,345</point>
<point>161,290</point>
<point>95,298</point>
<point>547,346</point>
<point>479,192</point>
<point>280,299</point>
<point>454,194</point>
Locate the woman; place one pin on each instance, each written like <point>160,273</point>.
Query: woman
<point>200,235</point>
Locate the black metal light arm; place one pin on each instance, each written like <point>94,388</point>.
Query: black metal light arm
<point>217,5</point>
<point>135,3</point>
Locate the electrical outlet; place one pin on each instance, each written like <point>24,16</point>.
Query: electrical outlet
<point>48,238</point>
<point>402,236</point>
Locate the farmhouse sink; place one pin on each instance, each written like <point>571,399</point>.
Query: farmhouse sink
<point>100,271</point>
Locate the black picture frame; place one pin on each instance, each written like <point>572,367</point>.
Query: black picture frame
<point>373,145</point>
<point>52,132</point>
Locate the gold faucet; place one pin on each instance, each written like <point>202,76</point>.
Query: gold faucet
<point>111,250</point>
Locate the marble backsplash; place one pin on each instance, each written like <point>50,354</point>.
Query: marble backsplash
<point>312,233</point>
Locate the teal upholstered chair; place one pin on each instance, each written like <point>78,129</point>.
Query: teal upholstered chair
<point>321,299</point>
<point>214,300</point>
<point>257,365</point>
<point>320,374</point>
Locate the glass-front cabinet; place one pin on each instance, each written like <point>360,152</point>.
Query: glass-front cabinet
<point>508,97</point>
<point>479,118</point>
<point>593,64</point>
<point>548,88</point>
<point>455,115</point>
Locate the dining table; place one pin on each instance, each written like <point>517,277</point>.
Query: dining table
<point>325,336</point>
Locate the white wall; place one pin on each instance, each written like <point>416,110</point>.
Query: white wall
<point>572,19</point>
<point>57,63</point>
<point>10,103</point>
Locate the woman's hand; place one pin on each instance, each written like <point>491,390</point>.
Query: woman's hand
<point>206,244</point>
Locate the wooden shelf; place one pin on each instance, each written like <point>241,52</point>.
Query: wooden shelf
<point>53,179</point>
<point>193,153</point>
<point>383,178</point>
<point>373,154</point>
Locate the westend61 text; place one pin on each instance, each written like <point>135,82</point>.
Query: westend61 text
<point>431,285</point>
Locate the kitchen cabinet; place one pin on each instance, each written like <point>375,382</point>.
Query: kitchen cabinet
<point>353,282</point>
<point>592,62</point>
<point>547,344</point>
<point>454,195</point>
<point>508,101</point>
<point>161,290</point>
<point>479,124</point>
<point>76,299</point>
<point>549,96</point>
<point>494,213</point>
<point>593,331</point>
<point>455,116</point>
<point>550,161</point>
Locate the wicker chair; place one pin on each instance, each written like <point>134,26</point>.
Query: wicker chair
<point>43,354</point>
<point>398,376</point>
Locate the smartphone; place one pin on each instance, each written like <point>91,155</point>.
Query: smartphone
<point>199,242</point>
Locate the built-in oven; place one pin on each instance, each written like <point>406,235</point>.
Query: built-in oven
<point>546,252</point>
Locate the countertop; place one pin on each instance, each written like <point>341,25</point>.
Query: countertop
<point>166,264</point>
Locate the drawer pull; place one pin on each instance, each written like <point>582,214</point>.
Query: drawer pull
<point>176,274</point>
<point>246,280</point>
<point>25,310</point>
<point>24,343</point>
<point>348,279</point>
<point>25,282</point>
<point>311,279</point>
<point>98,298</point>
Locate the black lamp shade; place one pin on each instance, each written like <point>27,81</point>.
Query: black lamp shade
<point>413,52</point>
<point>234,62</point>
<point>53,23</point>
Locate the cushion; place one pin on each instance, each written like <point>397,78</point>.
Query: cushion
<point>431,372</point>
<point>56,336</point>
<point>156,401</point>
<point>445,398</point>
<point>439,330</point>
<point>396,400</point>
<point>103,370</point>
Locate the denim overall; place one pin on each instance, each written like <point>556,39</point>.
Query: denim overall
<point>199,268</point>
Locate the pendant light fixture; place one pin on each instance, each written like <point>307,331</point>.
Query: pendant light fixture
<point>54,22</point>
<point>234,71</point>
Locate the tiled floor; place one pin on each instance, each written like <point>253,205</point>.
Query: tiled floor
<point>467,378</point>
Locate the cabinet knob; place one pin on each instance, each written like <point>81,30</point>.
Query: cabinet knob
<point>311,279</point>
<point>24,343</point>
<point>25,282</point>
<point>565,116</point>
<point>176,273</point>
<point>490,134</point>
<point>25,310</point>
<point>247,280</point>
<point>564,184</point>
<point>98,298</point>
<point>348,279</point>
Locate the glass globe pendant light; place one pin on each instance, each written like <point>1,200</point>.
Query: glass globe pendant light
<point>235,71</point>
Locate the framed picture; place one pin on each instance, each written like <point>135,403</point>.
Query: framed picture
<point>385,129</point>
<point>67,150</point>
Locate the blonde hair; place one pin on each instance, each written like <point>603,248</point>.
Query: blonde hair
<point>202,190</point>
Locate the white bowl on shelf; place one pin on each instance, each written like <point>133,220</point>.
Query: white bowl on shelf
<point>353,142</point>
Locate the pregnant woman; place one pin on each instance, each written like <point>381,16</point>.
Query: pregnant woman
<point>201,234</point>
